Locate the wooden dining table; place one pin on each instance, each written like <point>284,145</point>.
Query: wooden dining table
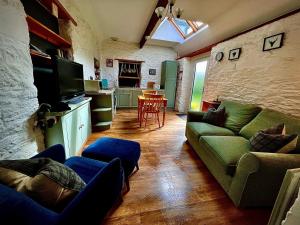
<point>141,101</point>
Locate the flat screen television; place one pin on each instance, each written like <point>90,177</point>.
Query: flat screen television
<point>61,82</point>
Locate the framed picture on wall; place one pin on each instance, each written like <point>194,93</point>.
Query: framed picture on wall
<point>152,71</point>
<point>273,42</point>
<point>109,63</point>
<point>234,54</point>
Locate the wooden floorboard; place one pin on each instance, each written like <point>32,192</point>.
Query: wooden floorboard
<point>173,186</point>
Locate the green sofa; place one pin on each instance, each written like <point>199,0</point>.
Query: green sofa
<point>249,178</point>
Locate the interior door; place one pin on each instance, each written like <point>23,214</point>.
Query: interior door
<point>198,84</point>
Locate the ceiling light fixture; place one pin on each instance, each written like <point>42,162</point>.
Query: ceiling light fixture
<point>162,12</point>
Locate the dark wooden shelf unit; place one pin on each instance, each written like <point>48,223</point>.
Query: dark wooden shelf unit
<point>45,33</point>
<point>62,12</point>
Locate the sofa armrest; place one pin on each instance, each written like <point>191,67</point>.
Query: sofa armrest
<point>195,116</point>
<point>100,194</point>
<point>55,152</point>
<point>259,176</point>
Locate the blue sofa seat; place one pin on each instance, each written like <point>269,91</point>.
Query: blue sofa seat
<point>90,206</point>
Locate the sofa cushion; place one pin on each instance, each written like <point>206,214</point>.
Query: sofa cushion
<point>48,182</point>
<point>215,117</point>
<point>268,118</point>
<point>238,114</point>
<point>198,129</point>
<point>227,150</point>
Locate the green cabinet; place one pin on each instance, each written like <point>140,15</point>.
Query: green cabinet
<point>128,97</point>
<point>123,98</point>
<point>169,80</point>
<point>72,128</point>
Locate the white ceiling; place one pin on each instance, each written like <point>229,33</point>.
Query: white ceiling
<point>128,19</point>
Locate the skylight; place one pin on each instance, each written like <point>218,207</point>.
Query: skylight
<point>177,30</point>
<point>186,27</point>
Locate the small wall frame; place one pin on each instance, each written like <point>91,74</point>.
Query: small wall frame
<point>273,42</point>
<point>109,63</point>
<point>234,54</point>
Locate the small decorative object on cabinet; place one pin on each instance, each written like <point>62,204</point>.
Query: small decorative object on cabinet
<point>103,108</point>
<point>72,129</point>
<point>234,54</point>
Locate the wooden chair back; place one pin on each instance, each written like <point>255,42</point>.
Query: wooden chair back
<point>153,103</point>
<point>154,92</point>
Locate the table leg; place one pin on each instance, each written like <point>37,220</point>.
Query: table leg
<point>140,112</point>
<point>164,115</point>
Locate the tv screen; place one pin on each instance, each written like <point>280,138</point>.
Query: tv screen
<point>70,76</point>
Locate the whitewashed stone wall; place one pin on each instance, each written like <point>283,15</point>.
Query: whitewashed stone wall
<point>85,43</point>
<point>18,95</point>
<point>271,79</point>
<point>152,55</point>
<point>184,85</point>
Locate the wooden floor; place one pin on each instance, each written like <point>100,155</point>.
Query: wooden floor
<point>172,186</point>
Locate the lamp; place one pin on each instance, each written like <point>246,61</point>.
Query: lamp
<point>168,11</point>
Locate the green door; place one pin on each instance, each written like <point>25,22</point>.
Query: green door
<point>170,89</point>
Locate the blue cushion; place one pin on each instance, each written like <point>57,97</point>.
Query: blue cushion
<point>86,168</point>
<point>106,149</point>
<point>17,208</point>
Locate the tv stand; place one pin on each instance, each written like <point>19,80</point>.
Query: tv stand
<point>76,100</point>
<point>72,128</point>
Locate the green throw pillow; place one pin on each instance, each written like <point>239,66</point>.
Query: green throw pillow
<point>238,114</point>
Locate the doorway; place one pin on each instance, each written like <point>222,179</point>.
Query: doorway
<point>198,85</point>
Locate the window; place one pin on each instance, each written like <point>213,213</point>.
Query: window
<point>186,27</point>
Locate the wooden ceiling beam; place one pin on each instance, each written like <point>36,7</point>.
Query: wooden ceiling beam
<point>152,22</point>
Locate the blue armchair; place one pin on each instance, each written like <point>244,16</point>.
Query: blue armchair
<point>104,185</point>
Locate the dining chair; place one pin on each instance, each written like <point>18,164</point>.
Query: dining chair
<point>154,92</point>
<point>152,105</point>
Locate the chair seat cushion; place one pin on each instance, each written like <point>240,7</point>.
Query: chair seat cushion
<point>106,149</point>
<point>227,150</point>
<point>86,168</point>
<point>198,129</point>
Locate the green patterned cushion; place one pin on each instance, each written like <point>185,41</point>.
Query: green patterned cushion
<point>265,142</point>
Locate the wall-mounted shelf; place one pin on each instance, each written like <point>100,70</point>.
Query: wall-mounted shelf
<point>124,77</point>
<point>35,53</point>
<point>45,33</point>
<point>129,61</point>
<point>62,12</point>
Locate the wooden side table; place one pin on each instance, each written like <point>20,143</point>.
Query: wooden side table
<point>209,104</point>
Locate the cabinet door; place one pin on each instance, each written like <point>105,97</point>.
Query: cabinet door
<point>69,127</point>
<point>170,89</point>
<point>83,126</point>
<point>85,120</point>
<point>124,98</point>
<point>134,97</point>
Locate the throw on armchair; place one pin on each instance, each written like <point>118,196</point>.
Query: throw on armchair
<point>104,182</point>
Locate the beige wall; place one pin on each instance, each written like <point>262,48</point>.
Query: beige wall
<point>271,79</point>
<point>152,55</point>
<point>85,41</point>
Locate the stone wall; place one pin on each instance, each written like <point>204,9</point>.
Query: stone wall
<point>85,42</point>
<point>18,95</point>
<point>270,79</point>
<point>152,55</point>
<point>184,85</point>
